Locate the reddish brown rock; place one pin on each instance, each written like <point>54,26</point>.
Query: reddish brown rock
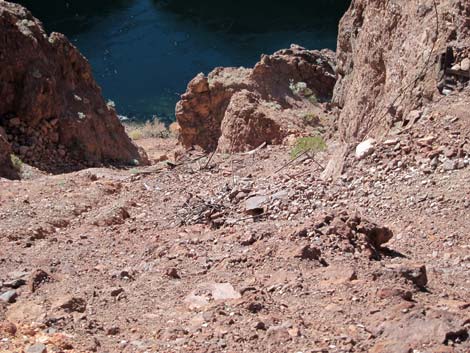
<point>51,106</point>
<point>71,304</point>
<point>239,109</point>
<point>248,121</point>
<point>201,109</point>
<point>274,73</point>
<point>8,328</point>
<point>418,329</point>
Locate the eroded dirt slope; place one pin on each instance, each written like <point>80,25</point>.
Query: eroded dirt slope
<point>240,257</point>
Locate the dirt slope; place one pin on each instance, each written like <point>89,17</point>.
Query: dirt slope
<point>241,257</point>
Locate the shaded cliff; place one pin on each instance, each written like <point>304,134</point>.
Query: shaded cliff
<point>51,107</point>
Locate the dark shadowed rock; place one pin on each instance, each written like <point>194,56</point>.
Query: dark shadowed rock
<point>6,167</point>
<point>71,304</point>
<point>38,278</point>
<point>51,106</point>
<point>412,272</point>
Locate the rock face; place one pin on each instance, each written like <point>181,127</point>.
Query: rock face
<point>51,108</point>
<point>235,109</point>
<point>386,60</point>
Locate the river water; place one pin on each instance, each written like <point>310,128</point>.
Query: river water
<point>144,52</point>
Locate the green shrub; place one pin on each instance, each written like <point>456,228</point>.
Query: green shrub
<point>16,162</point>
<point>311,144</point>
<point>311,119</point>
<point>313,99</point>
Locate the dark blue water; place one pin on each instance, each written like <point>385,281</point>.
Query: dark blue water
<point>144,52</point>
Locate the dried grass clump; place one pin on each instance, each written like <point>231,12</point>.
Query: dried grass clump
<point>175,129</point>
<point>149,129</point>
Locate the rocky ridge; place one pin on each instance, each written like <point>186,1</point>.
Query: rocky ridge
<point>237,109</point>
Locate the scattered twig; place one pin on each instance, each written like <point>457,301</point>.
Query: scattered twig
<point>291,161</point>
<point>209,160</point>
<point>316,162</point>
<point>250,217</point>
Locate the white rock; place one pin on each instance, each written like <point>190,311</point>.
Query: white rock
<point>255,203</point>
<point>224,291</point>
<point>446,92</point>
<point>391,142</point>
<point>200,297</point>
<point>465,64</point>
<point>365,148</point>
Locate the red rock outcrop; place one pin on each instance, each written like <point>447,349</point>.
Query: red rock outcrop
<point>387,58</point>
<point>236,109</point>
<point>51,107</point>
<point>249,122</point>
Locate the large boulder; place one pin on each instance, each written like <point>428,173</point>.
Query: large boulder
<point>202,108</point>
<point>271,99</point>
<point>250,120</point>
<point>387,58</point>
<point>51,107</point>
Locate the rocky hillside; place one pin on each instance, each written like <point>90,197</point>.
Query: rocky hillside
<point>262,251</point>
<point>6,166</point>
<point>387,74</point>
<point>395,59</point>
<point>51,110</point>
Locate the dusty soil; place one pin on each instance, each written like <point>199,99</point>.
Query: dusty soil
<point>179,257</point>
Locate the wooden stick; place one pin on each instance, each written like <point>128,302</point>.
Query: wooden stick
<point>256,149</point>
